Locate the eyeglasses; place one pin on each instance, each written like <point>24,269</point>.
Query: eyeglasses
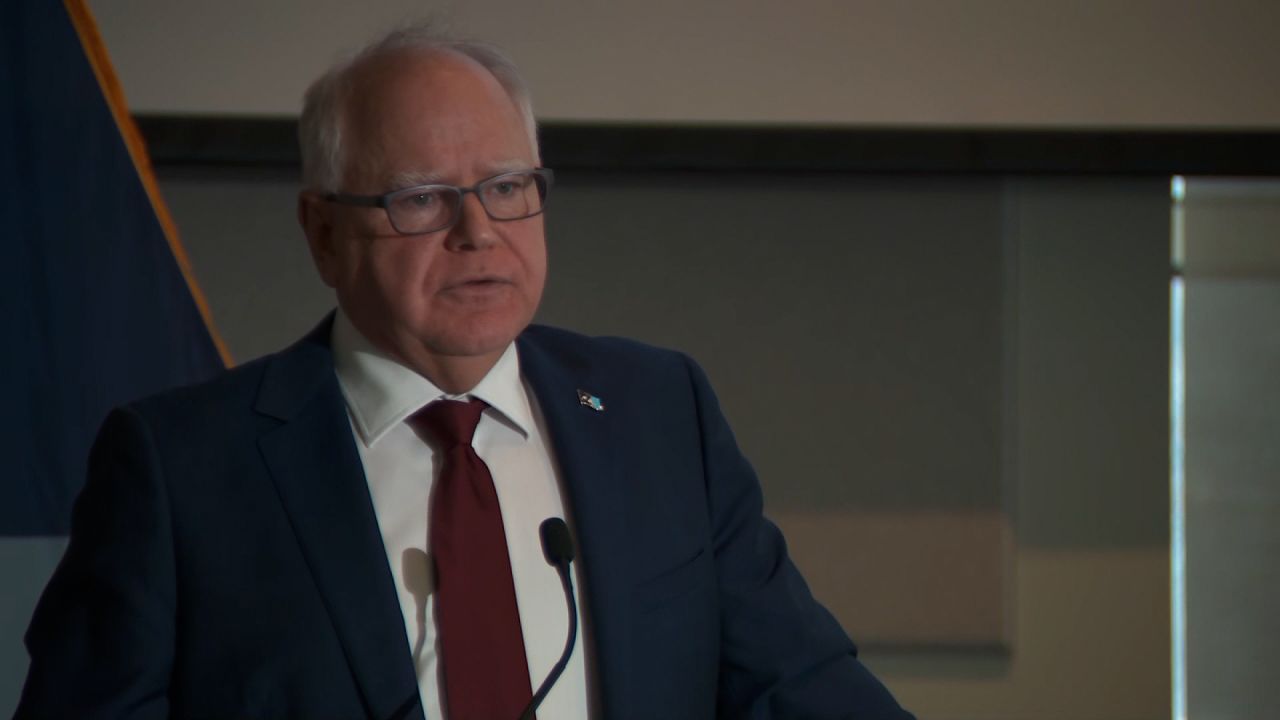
<point>427,208</point>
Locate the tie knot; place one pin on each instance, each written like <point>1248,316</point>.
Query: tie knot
<point>450,422</point>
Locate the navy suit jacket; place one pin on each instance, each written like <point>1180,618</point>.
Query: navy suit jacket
<point>225,560</point>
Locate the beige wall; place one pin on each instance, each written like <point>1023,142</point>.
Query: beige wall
<point>1231,228</point>
<point>931,62</point>
<point>1092,644</point>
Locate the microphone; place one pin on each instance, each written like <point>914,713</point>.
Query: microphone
<point>557,547</point>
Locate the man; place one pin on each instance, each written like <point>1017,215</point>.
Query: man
<point>287,540</point>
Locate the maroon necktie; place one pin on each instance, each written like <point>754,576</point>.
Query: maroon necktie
<point>486,674</point>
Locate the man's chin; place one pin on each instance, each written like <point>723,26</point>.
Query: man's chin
<point>474,342</point>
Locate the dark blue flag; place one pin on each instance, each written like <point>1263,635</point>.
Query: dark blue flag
<point>98,307</point>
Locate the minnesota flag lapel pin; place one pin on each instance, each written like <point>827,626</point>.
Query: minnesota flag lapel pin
<point>586,399</point>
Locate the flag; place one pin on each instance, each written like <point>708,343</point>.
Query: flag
<point>99,303</point>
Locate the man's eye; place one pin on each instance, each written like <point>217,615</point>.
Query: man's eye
<point>503,188</point>
<point>423,200</point>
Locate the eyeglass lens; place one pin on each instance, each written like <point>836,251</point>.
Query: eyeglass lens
<point>506,197</point>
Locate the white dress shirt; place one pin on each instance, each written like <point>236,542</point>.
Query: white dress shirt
<point>512,440</point>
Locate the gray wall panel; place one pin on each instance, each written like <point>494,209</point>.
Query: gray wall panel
<point>1233,497</point>
<point>847,323</point>
<point>25,567</point>
<point>1093,346</point>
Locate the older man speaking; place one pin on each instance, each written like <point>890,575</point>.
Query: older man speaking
<point>350,527</point>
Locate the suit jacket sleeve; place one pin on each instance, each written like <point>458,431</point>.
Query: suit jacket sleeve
<point>782,654</point>
<point>102,638</point>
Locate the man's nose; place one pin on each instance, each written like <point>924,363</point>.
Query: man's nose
<point>474,228</point>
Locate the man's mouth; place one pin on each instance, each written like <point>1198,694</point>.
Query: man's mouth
<point>477,287</point>
<point>481,282</point>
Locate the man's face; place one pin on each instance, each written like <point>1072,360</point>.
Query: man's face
<point>453,295</point>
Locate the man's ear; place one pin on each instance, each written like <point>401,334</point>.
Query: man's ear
<point>315,217</point>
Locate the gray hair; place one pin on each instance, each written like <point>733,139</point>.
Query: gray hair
<point>320,129</point>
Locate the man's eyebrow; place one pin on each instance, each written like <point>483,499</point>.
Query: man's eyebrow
<point>504,166</point>
<point>413,178</point>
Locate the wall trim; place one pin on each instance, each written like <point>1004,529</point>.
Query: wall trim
<point>243,141</point>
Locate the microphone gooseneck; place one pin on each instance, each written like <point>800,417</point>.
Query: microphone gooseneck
<point>557,547</point>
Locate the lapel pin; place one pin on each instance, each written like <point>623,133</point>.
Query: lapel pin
<point>586,399</point>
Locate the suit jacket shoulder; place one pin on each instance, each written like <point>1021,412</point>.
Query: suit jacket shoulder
<point>576,350</point>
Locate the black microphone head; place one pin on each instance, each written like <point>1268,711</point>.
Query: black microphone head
<point>557,545</point>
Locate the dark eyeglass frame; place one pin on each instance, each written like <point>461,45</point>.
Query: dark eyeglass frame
<point>542,177</point>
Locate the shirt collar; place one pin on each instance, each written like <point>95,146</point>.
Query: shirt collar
<point>381,393</point>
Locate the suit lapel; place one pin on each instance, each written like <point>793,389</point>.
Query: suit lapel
<point>317,471</point>
<point>585,447</point>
